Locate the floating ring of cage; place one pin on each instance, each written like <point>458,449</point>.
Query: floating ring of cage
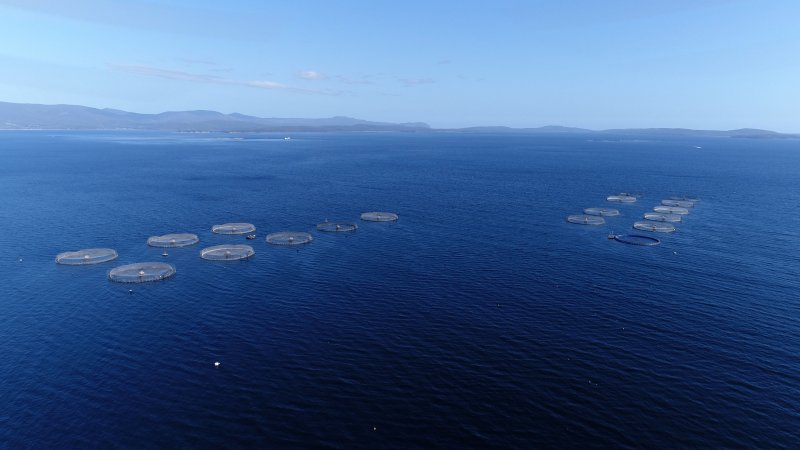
<point>173,240</point>
<point>621,198</point>
<point>601,211</point>
<point>636,239</point>
<point>684,199</point>
<point>86,256</point>
<point>585,219</point>
<point>656,227</point>
<point>289,238</point>
<point>227,252</point>
<point>671,210</point>
<point>379,216</point>
<point>663,217</point>
<point>141,272</point>
<point>234,228</point>
<point>336,227</point>
<point>678,203</point>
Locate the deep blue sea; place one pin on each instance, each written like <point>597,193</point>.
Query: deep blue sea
<point>480,319</point>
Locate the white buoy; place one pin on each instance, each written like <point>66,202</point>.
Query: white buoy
<point>216,363</point>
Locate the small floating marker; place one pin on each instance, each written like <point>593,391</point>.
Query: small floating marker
<point>130,291</point>
<point>165,253</point>
<point>216,363</point>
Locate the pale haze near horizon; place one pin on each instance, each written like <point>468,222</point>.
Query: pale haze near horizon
<point>617,64</point>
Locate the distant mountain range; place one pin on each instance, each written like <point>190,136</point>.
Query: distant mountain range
<point>644,132</point>
<point>23,116</point>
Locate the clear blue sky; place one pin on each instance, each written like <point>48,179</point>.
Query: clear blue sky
<point>597,64</point>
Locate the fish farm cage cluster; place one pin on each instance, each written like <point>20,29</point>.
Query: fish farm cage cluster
<point>661,220</point>
<point>155,271</point>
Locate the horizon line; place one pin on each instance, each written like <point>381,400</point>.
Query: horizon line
<point>427,125</point>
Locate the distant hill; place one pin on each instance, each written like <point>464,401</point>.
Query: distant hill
<point>21,116</point>
<point>740,133</point>
<point>752,133</point>
<point>545,129</point>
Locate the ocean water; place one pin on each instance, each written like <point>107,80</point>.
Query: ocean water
<point>481,319</point>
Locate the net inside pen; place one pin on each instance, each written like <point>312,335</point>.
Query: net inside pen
<point>636,239</point>
<point>141,272</point>
<point>671,210</point>
<point>608,212</point>
<point>684,198</point>
<point>336,227</point>
<point>585,219</point>
<point>621,198</point>
<point>655,227</point>
<point>289,238</point>
<point>234,228</point>
<point>86,256</point>
<point>379,216</point>
<point>227,252</point>
<point>662,217</point>
<point>173,240</point>
<point>678,203</point>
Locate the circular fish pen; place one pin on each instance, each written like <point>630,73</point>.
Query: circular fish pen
<point>671,210</point>
<point>655,227</point>
<point>608,212</point>
<point>141,272</point>
<point>379,216</point>
<point>621,198</point>
<point>336,227</point>
<point>636,239</point>
<point>87,256</point>
<point>678,203</point>
<point>227,252</point>
<point>289,238</point>
<point>173,240</point>
<point>684,198</point>
<point>585,219</point>
<point>234,228</point>
<point>663,217</point>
